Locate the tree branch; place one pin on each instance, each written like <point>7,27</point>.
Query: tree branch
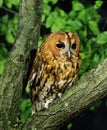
<point>11,81</point>
<point>88,90</point>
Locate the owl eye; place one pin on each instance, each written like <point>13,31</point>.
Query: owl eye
<point>60,45</point>
<point>74,45</point>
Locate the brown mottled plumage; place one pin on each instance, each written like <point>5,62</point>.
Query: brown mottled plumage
<point>55,68</point>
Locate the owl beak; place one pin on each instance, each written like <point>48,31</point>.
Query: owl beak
<point>69,53</point>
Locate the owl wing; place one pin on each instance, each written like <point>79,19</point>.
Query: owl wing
<point>35,71</point>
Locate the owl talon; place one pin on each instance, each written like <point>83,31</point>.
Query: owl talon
<point>47,103</point>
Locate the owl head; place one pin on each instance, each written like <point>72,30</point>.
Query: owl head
<point>63,45</point>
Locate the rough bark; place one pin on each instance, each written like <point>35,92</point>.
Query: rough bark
<point>11,82</point>
<point>88,90</point>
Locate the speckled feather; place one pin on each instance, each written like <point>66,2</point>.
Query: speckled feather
<point>55,68</point>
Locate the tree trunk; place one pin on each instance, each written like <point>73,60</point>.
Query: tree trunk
<point>88,90</point>
<point>12,79</point>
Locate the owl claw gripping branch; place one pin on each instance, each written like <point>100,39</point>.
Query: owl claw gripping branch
<point>55,68</point>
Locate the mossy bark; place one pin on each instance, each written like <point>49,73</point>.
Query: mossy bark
<point>12,79</point>
<point>89,89</point>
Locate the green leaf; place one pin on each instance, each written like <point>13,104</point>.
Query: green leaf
<point>96,59</point>
<point>25,115</point>
<point>25,103</point>
<point>52,1</point>
<point>89,14</point>
<point>1,68</point>
<point>102,38</point>
<point>27,89</point>
<point>5,19</point>
<point>93,108</point>
<point>74,24</point>
<point>83,33</point>
<point>46,1</point>
<point>72,14</point>
<point>1,3</point>
<point>82,16</point>
<point>98,4</point>
<point>15,2</point>
<point>40,41</point>
<point>43,18</point>
<point>60,12</point>
<point>83,55</point>
<point>2,64</point>
<point>54,28</point>
<point>15,19</point>
<point>47,9</point>
<point>24,109</point>
<point>58,24</point>
<point>3,50</point>
<point>3,29</point>
<point>77,6</point>
<point>49,20</point>
<point>69,126</point>
<point>93,25</point>
<point>9,4</point>
<point>9,37</point>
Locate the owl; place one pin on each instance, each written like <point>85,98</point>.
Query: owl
<point>55,68</point>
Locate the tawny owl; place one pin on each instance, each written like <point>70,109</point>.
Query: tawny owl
<point>55,68</point>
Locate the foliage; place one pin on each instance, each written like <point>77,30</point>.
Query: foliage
<point>81,19</point>
<point>24,109</point>
<point>8,27</point>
